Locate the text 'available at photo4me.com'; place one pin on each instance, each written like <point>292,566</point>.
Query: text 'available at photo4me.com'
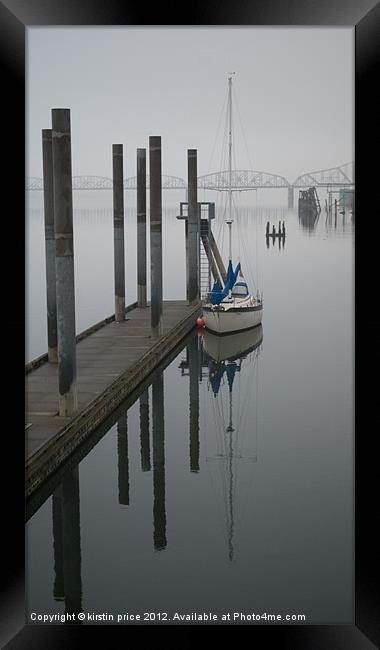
<point>166,617</point>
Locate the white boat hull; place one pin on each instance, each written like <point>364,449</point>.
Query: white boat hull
<point>233,319</point>
<point>232,346</point>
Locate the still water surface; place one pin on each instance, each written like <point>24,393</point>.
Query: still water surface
<point>227,486</point>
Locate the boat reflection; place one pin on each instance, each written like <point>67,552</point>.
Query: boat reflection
<point>225,356</point>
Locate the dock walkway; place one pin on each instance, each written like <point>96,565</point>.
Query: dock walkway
<point>111,362</point>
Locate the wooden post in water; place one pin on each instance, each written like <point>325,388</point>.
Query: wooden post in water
<point>141,227</point>
<point>118,231</point>
<point>193,225</point>
<point>155,234</point>
<point>267,229</point>
<point>51,295</point>
<point>63,219</point>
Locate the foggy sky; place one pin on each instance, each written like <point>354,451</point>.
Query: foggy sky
<point>294,87</point>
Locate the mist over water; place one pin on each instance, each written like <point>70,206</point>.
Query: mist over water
<point>172,510</point>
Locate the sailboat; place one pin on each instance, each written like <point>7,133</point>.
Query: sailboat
<point>231,307</point>
<point>225,361</point>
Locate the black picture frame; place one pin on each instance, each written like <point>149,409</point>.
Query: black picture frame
<point>15,17</point>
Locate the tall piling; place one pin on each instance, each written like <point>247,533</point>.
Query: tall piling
<point>51,295</point>
<point>193,226</point>
<point>64,262</point>
<point>159,509</point>
<point>155,234</point>
<point>118,231</point>
<point>141,227</point>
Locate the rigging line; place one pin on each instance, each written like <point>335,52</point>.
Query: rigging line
<point>218,128</point>
<point>242,128</point>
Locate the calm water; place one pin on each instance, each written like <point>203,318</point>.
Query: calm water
<point>227,486</point>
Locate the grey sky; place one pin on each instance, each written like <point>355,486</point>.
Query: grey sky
<point>294,86</point>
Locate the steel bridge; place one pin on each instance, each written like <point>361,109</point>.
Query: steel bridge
<point>242,180</point>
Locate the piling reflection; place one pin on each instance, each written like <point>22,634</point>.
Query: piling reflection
<point>66,543</point>
<point>194,366</point>
<point>159,510</point>
<point>218,360</point>
<point>123,460</point>
<point>144,432</point>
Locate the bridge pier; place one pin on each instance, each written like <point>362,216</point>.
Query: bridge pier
<point>291,196</point>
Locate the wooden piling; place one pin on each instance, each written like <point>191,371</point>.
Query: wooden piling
<point>141,227</point>
<point>118,231</point>
<point>51,295</point>
<point>155,234</point>
<point>193,225</point>
<point>63,219</point>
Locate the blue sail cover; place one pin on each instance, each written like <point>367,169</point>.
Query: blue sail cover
<point>217,293</point>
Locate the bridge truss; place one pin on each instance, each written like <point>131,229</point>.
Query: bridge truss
<point>242,180</point>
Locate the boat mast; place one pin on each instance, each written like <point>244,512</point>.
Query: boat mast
<point>229,220</point>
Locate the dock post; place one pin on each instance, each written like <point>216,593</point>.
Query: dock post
<point>118,231</point>
<point>144,431</point>
<point>267,229</point>
<point>193,229</point>
<point>123,460</point>
<point>141,227</point>
<point>291,197</point>
<point>51,296</point>
<point>155,234</point>
<point>64,262</point>
<point>193,357</point>
<point>159,510</point>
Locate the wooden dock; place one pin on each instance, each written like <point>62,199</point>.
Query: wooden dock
<point>113,358</point>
